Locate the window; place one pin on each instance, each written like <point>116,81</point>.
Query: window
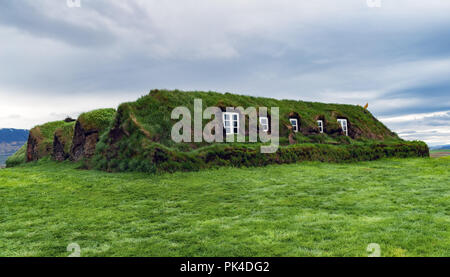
<point>320,124</point>
<point>294,123</point>
<point>231,123</point>
<point>264,121</point>
<point>344,125</point>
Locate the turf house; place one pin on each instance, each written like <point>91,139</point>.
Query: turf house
<point>137,136</point>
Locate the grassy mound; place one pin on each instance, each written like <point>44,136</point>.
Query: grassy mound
<point>17,158</point>
<point>158,158</point>
<point>140,136</point>
<point>40,140</point>
<point>97,119</point>
<point>88,129</point>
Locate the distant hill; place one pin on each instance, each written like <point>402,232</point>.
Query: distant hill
<point>440,147</point>
<point>13,135</point>
<point>10,141</point>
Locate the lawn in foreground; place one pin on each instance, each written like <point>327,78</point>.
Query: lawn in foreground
<point>307,209</point>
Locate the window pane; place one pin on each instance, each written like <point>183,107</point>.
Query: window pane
<point>227,117</point>
<point>235,116</point>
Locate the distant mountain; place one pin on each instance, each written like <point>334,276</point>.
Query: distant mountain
<point>13,135</point>
<point>10,141</point>
<point>439,147</point>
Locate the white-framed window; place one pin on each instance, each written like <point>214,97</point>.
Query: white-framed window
<point>264,122</point>
<point>320,124</point>
<point>294,123</point>
<point>344,125</point>
<point>231,123</point>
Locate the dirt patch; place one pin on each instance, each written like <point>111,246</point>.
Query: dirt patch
<point>439,154</point>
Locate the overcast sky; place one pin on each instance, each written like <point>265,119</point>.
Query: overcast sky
<point>57,61</point>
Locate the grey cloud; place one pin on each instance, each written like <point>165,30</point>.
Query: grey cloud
<point>30,17</point>
<point>396,57</point>
<point>433,128</point>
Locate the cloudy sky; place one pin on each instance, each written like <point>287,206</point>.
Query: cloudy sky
<point>57,60</point>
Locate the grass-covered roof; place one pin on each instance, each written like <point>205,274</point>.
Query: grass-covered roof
<point>152,114</point>
<point>96,119</point>
<point>140,135</point>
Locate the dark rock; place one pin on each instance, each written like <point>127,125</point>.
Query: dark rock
<point>84,143</point>
<point>69,119</point>
<point>58,150</point>
<point>32,149</point>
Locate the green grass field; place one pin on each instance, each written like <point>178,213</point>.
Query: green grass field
<point>440,150</point>
<point>306,209</point>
